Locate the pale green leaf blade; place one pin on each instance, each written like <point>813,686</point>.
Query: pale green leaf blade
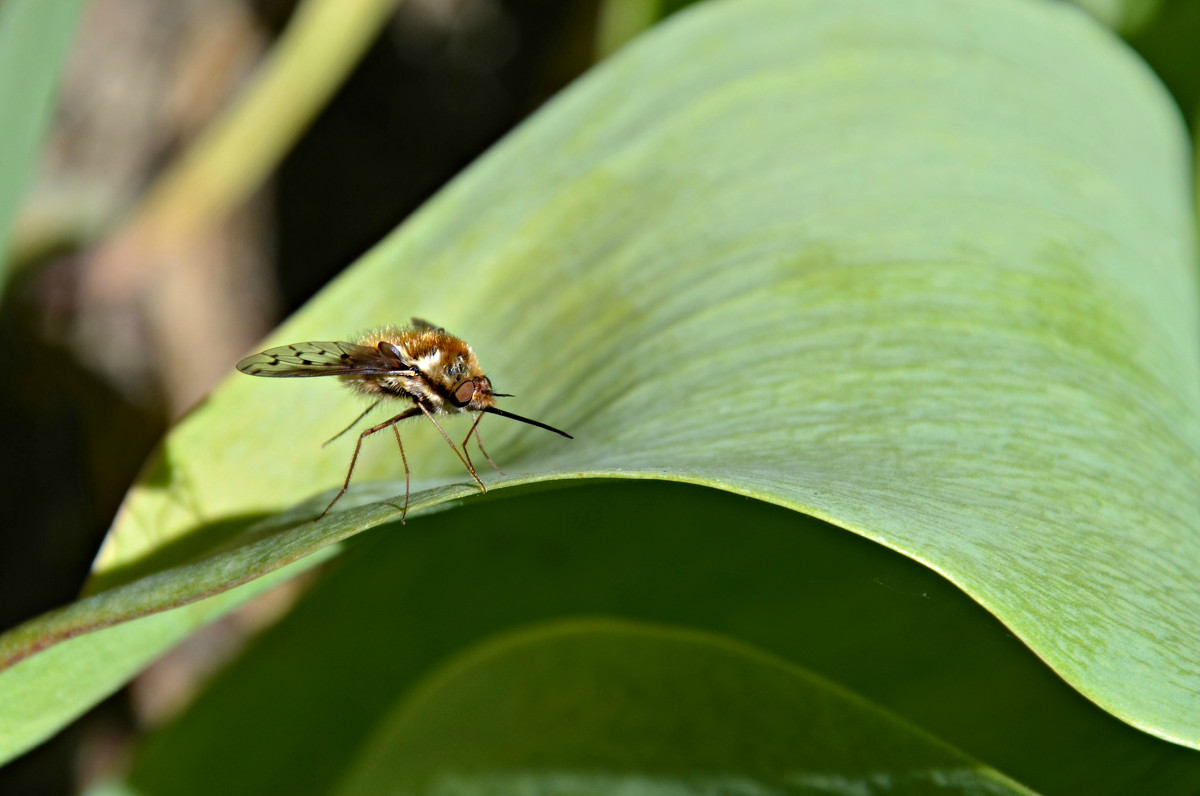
<point>925,270</point>
<point>34,38</point>
<point>621,20</point>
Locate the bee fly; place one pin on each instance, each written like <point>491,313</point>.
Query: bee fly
<point>422,363</point>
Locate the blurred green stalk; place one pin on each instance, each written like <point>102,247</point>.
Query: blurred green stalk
<point>323,42</point>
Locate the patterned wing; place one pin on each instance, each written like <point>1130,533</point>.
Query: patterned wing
<point>320,359</point>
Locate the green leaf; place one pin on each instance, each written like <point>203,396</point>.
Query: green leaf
<point>294,713</point>
<point>621,20</point>
<point>1127,17</point>
<point>923,270</point>
<point>34,37</point>
<point>46,692</point>
<point>605,707</point>
<point>1168,45</point>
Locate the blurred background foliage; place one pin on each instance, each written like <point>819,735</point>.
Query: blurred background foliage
<point>107,356</point>
<point>92,387</point>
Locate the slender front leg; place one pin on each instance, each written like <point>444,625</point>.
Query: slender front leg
<point>404,459</point>
<point>358,447</point>
<point>466,462</point>
<point>366,412</point>
<point>479,442</point>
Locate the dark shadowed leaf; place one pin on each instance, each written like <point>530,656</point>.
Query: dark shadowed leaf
<point>609,707</point>
<point>296,711</point>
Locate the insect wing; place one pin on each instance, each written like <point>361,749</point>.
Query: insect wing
<point>318,359</point>
<point>422,325</point>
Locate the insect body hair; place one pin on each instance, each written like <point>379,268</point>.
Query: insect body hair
<point>439,361</point>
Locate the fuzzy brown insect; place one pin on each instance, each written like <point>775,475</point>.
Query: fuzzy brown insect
<point>421,363</point>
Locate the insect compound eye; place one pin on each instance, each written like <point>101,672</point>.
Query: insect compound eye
<point>464,393</point>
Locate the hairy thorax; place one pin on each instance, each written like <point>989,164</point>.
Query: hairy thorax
<point>440,362</point>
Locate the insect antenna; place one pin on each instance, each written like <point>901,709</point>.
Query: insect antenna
<point>366,412</point>
<point>494,411</point>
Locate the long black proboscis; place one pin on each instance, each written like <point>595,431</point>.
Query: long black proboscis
<point>494,411</point>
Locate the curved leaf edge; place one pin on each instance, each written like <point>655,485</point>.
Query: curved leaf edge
<point>276,545</point>
<point>515,639</point>
<point>34,710</point>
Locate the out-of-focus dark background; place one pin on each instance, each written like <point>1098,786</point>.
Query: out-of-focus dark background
<point>100,360</point>
<point>98,374</point>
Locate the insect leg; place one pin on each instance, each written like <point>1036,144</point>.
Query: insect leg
<point>352,425</point>
<point>467,439</point>
<point>453,447</point>
<point>358,447</point>
<point>479,442</point>
<point>404,459</point>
